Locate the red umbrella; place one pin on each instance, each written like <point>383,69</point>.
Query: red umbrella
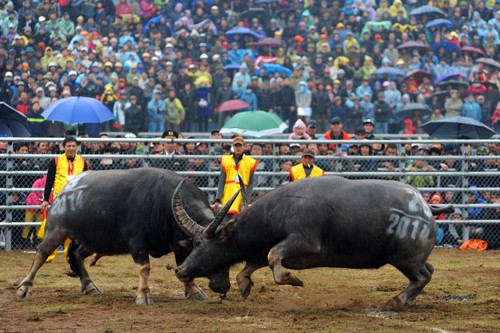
<point>271,42</point>
<point>472,49</point>
<point>232,105</point>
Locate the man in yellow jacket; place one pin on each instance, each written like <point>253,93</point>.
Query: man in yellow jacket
<point>233,167</point>
<point>307,168</point>
<point>62,169</point>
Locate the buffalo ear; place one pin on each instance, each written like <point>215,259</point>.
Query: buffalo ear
<point>228,229</point>
<point>186,243</point>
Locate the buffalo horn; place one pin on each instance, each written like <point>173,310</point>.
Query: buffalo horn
<point>187,224</point>
<point>244,194</point>
<point>212,227</point>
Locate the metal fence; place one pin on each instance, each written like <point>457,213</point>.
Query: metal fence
<point>462,176</point>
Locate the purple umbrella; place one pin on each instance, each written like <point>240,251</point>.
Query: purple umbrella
<point>447,76</point>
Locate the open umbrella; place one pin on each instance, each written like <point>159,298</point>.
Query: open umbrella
<point>271,42</point>
<point>12,122</point>
<point>74,110</point>
<point>444,77</point>
<point>231,69</point>
<point>232,105</point>
<point>242,32</point>
<point>439,23</point>
<point>254,123</point>
<point>389,70</point>
<point>457,128</point>
<point>427,10</point>
<point>271,68</point>
<point>419,75</point>
<point>454,84</point>
<point>409,110</point>
<point>473,49</point>
<point>448,46</point>
<point>412,45</point>
<point>441,96</point>
<point>489,62</point>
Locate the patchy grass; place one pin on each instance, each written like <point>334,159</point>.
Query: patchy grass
<point>462,297</point>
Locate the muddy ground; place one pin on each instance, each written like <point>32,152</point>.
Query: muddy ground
<point>464,296</point>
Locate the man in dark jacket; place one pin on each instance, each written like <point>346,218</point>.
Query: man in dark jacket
<point>286,102</point>
<point>382,114</point>
<point>319,104</point>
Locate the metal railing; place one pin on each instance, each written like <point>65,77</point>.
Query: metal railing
<point>16,182</point>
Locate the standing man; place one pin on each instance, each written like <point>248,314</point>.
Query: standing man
<point>307,168</point>
<point>233,167</point>
<point>62,169</point>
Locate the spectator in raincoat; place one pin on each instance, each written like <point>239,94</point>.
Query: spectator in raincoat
<point>203,106</point>
<point>249,97</point>
<point>471,109</point>
<point>243,76</point>
<point>175,111</point>
<point>157,112</point>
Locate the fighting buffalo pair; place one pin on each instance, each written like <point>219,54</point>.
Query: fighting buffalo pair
<point>318,222</point>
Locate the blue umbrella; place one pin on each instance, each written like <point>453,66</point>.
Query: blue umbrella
<point>448,46</point>
<point>427,10</point>
<point>447,76</point>
<point>156,20</point>
<point>389,70</point>
<point>76,110</point>
<point>12,122</point>
<point>270,68</point>
<point>266,1</point>
<point>242,32</point>
<point>457,128</point>
<point>439,23</point>
<point>230,68</point>
<point>125,39</point>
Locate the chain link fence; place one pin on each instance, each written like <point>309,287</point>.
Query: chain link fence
<point>459,172</point>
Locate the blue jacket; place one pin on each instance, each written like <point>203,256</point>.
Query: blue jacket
<point>472,110</point>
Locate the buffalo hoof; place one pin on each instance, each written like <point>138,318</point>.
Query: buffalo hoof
<point>144,301</point>
<point>91,290</point>
<point>198,296</point>
<point>143,298</point>
<point>291,279</point>
<point>394,304</point>
<point>24,292</point>
<point>245,285</point>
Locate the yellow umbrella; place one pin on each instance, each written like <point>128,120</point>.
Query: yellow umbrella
<point>345,60</point>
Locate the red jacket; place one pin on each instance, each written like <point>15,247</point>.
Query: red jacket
<point>343,136</point>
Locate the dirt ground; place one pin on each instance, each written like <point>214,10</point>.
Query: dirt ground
<point>464,296</point>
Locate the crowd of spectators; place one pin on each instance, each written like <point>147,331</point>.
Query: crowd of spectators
<point>343,68</point>
<point>167,64</point>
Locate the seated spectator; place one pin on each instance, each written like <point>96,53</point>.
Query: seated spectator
<point>299,131</point>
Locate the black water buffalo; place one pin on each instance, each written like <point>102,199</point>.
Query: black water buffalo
<point>119,212</point>
<point>318,222</point>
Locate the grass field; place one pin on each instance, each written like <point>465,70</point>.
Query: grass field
<point>464,296</point>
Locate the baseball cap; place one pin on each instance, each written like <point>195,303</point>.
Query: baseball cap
<point>238,139</point>
<point>308,152</point>
<point>170,134</point>
<point>336,120</point>
<point>312,123</point>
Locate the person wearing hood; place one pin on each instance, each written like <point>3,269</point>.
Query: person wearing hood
<point>299,131</point>
<point>250,97</point>
<point>243,76</point>
<point>175,111</point>
<point>303,99</point>
<point>42,99</point>
<point>471,109</point>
